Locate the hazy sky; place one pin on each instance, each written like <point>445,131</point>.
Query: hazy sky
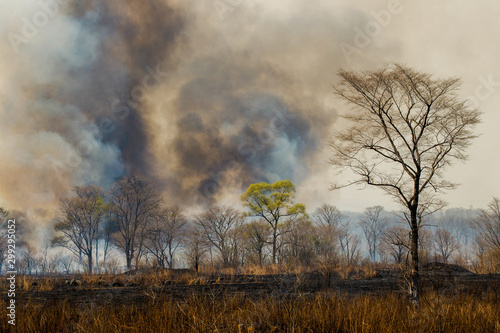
<point>208,96</point>
<point>446,38</point>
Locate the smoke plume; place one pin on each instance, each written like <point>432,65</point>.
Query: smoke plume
<point>203,99</point>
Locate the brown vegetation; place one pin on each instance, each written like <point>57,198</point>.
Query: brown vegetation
<point>209,313</point>
<point>159,300</point>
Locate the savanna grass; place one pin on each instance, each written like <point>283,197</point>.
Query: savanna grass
<point>324,312</point>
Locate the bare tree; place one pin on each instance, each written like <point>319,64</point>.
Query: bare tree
<point>406,128</point>
<point>54,262</point>
<point>134,202</point>
<point>219,224</point>
<point>445,243</point>
<point>67,262</point>
<point>334,240</point>
<point>195,247</point>
<point>487,225</point>
<point>395,243</point>
<point>349,245</point>
<point>30,259</point>
<point>330,225</point>
<point>109,228</point>
<point>78,230</point>
<point>112,265</point>
<point>44,259</point>
<point>297,242</point>
<point>165,234</point>
<point>458,222</point>
<point>328,215</point>
<point>256,236</point>
<point>373,224</point>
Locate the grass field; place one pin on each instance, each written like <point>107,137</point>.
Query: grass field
<point>162,301</point>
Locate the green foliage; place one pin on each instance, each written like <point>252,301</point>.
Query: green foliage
<point>272,201</point>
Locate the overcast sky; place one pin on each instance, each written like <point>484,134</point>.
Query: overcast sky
<point>216,74</point>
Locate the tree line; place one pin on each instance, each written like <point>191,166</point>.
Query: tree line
<point>133,218</point>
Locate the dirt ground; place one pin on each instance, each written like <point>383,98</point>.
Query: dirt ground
<point>135,288</point>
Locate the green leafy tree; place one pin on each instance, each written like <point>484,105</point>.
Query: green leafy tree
<point>275,204</point>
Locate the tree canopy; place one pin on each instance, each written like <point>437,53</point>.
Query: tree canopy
<point>274,203</point>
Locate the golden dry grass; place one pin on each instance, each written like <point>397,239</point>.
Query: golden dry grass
<point>325,312</point>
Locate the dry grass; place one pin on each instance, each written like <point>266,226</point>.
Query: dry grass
<point>299,313</point>
<point>29,283</point>
<point>212,308</point>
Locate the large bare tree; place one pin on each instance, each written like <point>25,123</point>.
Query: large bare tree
<point>406,127</point>
<point>78,230</point>
<point>135,202</point>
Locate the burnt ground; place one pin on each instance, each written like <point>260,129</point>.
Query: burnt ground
<point>135,288</point>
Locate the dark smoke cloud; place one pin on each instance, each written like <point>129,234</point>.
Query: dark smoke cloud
<point>228,117</point>
<point>136,38</point>
<point>205,105</point>
<point>246,104</point>
<point>72,114</point>
<point>205,97</point>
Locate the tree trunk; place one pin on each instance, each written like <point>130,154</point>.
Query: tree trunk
<point>90,262</point>
<point>128,258</point>
<point>129,263</point>
<point>414,283</point>
<point>171,260</point>
<point>275,236</point>
<point>105,254</point>
<point>79,258</point>
<point>97,254</point>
